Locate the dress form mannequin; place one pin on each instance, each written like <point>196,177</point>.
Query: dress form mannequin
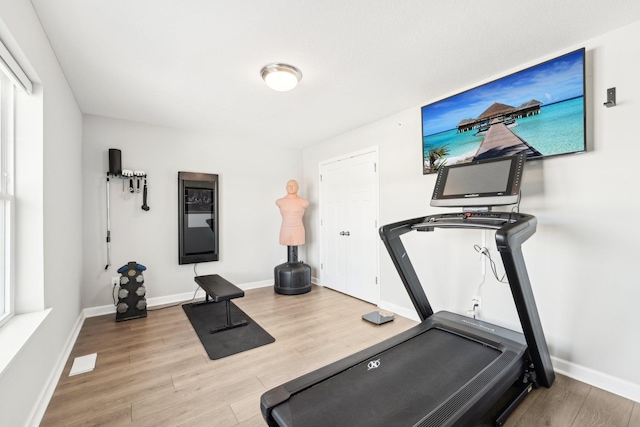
<point>292,277</point>
<point>292,209</point>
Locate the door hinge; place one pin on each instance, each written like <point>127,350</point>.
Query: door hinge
<point>376,280</point>
<point>375,167</point>
<point>321,266</point>
<point>320,177</point>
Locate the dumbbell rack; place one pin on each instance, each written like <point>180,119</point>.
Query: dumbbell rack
<point>132,303</point>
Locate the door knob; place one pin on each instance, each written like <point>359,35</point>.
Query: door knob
<point>342,233</point>
<point>346,233</point>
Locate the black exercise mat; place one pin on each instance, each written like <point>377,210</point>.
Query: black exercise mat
<point>203,317</point>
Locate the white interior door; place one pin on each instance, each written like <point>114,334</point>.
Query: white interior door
<point>349,211</point>
<point>334,202</point>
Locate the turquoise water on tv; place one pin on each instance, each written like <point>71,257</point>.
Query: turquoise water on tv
<point>558,129</point>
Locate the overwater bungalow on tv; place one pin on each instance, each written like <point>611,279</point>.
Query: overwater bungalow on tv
<point>499,113</point>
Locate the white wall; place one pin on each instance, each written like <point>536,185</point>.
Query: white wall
<point>251,178</point>
<point>582,259</point>
<point>49,214</point>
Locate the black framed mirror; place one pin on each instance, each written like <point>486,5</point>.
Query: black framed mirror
<point>197,217</point>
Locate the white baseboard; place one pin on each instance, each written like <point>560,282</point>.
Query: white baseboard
<point>256,285</point>
<point>37,413</point>
<point>397,309</point>
<point>172,299</point>
<point>597,379</point>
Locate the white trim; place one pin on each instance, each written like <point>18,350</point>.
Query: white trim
<point>98,311</point>
<point>368,150</point>
<point>39,409</point>
<point>597,379</point>
<point>171,299</point>
<point>13,71</point>
<point>15,334</point>
<point>256,285</point>
<point>399,310</point>
<point>7,146</point>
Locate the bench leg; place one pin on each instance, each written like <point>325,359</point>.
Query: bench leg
<point>206,301</point>
<point>229,324</point>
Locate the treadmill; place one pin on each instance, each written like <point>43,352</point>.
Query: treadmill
<point>449,370</point>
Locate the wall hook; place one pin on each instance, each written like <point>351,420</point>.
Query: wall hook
<point>611,97</point>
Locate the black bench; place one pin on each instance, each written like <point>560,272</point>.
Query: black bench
<point>219,289</point>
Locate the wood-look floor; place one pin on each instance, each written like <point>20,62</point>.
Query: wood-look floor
<point>154,371</point>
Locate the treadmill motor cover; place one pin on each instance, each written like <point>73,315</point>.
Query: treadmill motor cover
<point>393,388</point>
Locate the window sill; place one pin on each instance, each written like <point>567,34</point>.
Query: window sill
<point>15,334</point>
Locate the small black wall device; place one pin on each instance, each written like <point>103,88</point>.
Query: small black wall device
<point>115,162</point>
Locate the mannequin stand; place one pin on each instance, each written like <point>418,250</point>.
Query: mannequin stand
<point>292,277</point>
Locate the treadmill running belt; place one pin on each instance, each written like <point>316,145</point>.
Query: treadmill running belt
<point>396,387</point>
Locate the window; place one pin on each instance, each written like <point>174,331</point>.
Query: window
<point>6,197</point>
<point>11,77</point>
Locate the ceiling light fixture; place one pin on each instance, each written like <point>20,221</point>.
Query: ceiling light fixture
<point>281,77</point>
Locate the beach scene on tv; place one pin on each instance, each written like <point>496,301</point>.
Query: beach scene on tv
<point>538,111</point>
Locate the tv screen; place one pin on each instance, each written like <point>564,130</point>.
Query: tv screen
<point>479,183</point>
<point>538,111</point>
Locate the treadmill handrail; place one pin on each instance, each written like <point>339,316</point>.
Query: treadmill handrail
<point>509,238</point>
<point>390,235</point>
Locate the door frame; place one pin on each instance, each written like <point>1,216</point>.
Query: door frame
<point>370,150</point>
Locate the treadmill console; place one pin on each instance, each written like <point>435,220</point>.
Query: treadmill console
<point>479,184</point>
<point>484,220</point>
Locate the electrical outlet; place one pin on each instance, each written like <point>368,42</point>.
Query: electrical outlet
<point>476,301</point>
<point>115,281</point>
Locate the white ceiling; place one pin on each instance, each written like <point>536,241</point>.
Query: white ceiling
<point>195,64</point>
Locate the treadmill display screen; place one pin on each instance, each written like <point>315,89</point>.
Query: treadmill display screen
<point>484,178</point>
<point>483,183</point>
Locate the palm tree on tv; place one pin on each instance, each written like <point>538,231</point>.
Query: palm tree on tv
<point>436,156</point>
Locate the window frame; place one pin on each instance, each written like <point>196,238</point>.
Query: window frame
<point>7,198</point>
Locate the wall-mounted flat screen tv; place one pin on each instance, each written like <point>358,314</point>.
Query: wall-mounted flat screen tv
<point>538,111</point>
